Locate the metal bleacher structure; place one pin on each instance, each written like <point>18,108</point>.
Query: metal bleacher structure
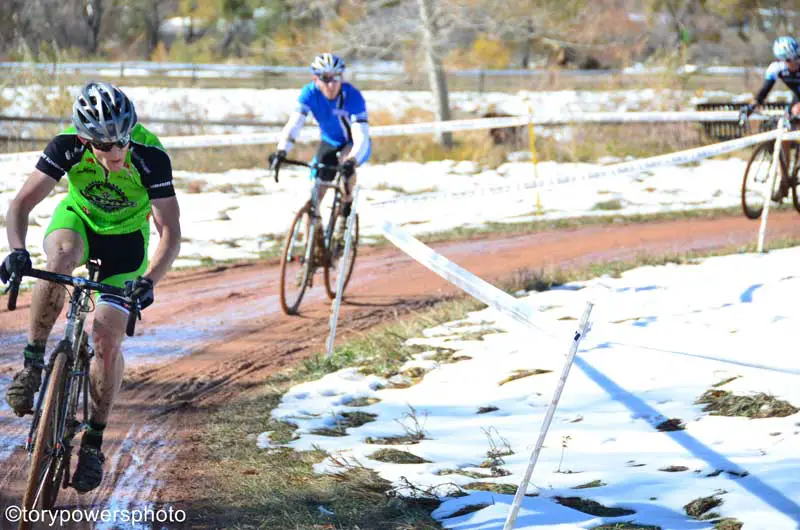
<point>729,130</point>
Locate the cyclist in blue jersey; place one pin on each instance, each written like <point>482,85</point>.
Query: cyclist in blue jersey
<point>786,68</point>
<point>341,112</point>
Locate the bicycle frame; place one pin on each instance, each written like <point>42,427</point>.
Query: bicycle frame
<point>314,212</point>
<point>302,257</point>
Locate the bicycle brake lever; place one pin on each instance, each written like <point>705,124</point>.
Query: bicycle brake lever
<point>742,117</point>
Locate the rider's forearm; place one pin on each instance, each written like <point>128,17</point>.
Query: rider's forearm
<point>16,224</point>
<point>169,246</point>
<point>761,95</point>
<point>291,130</point>
<point>361,142</point>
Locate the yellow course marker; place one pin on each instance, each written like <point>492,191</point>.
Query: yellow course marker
<point>532,141</point>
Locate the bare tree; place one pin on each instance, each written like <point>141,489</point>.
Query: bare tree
<point>93,16</point>
<point>433,61</point>
<point>10,23</point>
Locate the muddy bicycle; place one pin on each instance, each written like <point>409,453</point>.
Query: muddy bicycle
<point>65,389</point>
<point>312,244</point>
<point>759,169</point>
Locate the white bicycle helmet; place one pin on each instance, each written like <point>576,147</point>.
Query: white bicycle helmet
<point>786,49</point>
<point>327,64</point>
<point>103,113</point>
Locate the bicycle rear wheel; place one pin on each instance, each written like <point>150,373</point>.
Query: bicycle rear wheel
<point>335,253</point>
<point>793,180</point>
<point>755,178</point>
<point>45,472</point>
<point>295,270</point>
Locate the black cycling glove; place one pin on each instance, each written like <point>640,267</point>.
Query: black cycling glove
<point>143,287</point>
<point>18,262</point>
<point>276,158</point>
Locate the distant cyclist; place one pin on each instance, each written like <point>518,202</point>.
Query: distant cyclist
<point>119,177</point>
<point>341,112</point>
<point>786,68</point>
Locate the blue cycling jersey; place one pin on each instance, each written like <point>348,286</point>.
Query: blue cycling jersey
<point>779,70</point>
<point>334,116</point>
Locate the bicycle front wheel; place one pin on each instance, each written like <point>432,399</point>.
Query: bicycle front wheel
<point>45,472</point>
<point>295,269</point>
<point>755,179</point>
<point>335,254</point>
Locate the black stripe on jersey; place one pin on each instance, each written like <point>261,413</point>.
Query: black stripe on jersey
<point>155,168</point>
<point>60,155</point>
<point>342,119</point>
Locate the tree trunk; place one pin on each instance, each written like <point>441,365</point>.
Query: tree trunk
<point>527,46</point>
<point>94,16</point>
<point>436,77</point>
<point>152,21</point>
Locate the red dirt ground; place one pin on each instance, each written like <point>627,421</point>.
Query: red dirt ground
<point>214,334</point>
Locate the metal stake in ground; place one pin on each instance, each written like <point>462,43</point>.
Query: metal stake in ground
<point>770,184</point>
<point>548,418</point>
<point>348,244</point>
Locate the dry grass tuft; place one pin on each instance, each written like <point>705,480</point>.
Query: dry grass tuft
<point>761,405</point>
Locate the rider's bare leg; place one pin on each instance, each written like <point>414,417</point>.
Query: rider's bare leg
<point>105,373</point>
<point>64,250</point>
<point>349,186</point>
<point>307,223</point>
<point>105,380</point>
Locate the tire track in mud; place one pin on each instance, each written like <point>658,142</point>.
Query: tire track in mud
<point>214,334</point>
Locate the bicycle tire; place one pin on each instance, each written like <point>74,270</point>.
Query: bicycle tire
<point>44,479</point>
<point>291,304</point>
<point>793,181</point>
<point>332,264</point>
<point>761,154</point>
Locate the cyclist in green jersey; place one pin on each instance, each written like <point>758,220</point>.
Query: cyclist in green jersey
<point>119,177</point>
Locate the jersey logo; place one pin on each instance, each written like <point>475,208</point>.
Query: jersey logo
<point>106,196</point>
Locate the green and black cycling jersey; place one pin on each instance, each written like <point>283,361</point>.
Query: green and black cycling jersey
<point>110,211</point>
<point>110,202</point>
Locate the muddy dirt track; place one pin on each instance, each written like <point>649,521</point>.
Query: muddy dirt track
<point>214,334</point>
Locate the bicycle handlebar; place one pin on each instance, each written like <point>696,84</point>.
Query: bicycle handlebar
<point>276,165</point>
<point>746,111</point>
<point>83,283</point>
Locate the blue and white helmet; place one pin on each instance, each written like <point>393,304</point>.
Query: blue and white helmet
<point>786,49</point>
<point>327,64</point>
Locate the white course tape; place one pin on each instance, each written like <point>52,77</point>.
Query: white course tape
<point>634,166</point>
<point>462,278</point>
<point>566,119</point>
<point>216,140</point>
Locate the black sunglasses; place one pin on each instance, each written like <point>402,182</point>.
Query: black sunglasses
<point>108,146</point>
<point>331,79</point>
